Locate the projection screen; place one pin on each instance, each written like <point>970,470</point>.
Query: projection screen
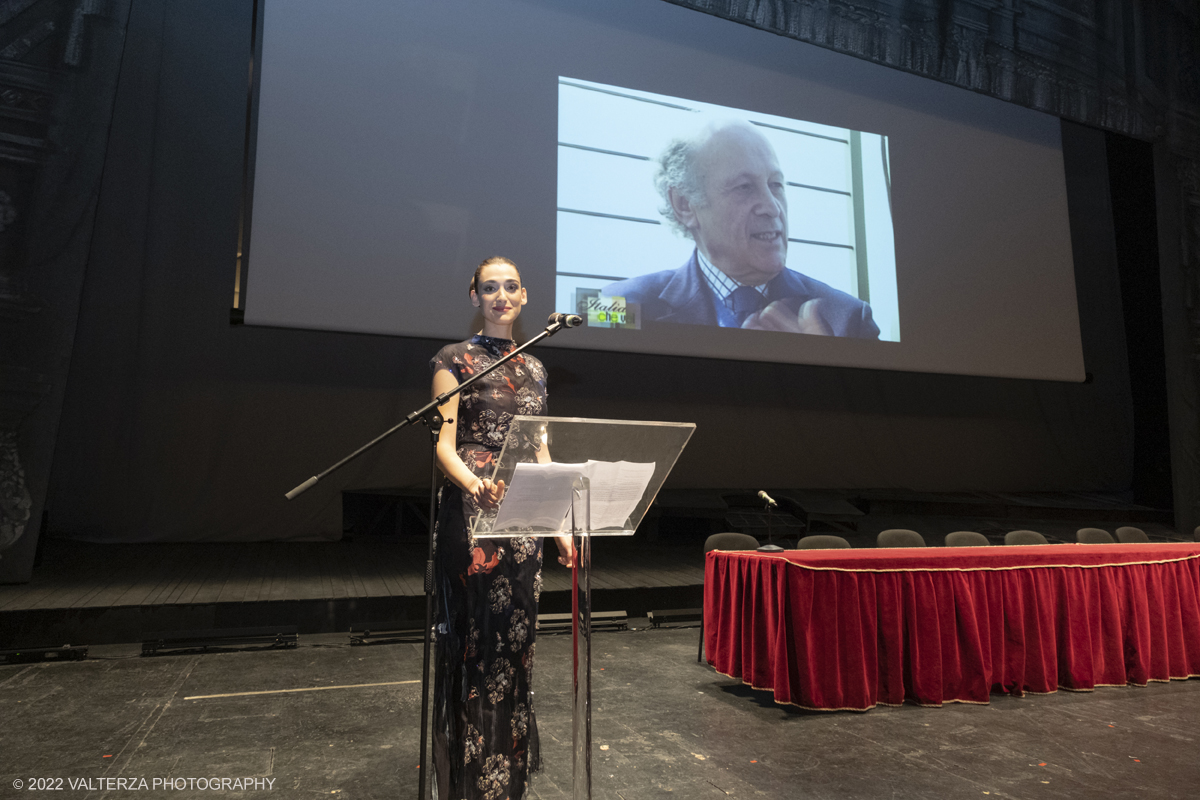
<point>640,161</point>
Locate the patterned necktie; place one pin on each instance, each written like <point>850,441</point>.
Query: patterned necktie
<point>746,300</point>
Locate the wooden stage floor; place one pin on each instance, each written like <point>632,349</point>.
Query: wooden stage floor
<point>328,719</point>
<point>94,593</point>
<point>86,575</point>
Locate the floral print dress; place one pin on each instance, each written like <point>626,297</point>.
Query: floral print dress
<point>485,742</point>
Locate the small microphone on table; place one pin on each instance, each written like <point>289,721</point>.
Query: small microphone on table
<point>566,320</point>
<point>767,497</point>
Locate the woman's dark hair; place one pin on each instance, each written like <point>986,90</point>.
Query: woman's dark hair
<point>487,262</point>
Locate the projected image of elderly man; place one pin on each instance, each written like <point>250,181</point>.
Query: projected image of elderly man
<point>724,189</point>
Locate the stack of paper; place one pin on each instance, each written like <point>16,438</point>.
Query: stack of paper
<point>539,496</point>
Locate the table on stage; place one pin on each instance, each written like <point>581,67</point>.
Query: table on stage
<point>850,629</point>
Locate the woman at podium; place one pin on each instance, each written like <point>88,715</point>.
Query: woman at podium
<point>485,742</point>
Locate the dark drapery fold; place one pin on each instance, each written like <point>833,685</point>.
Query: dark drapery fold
<point>836,630</point>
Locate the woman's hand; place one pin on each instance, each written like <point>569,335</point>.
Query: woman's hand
<point>485,493</point>
<point>566,551</point>
<point>493,493</point>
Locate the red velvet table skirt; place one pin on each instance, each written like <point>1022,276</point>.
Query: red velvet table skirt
<point>849,629</point>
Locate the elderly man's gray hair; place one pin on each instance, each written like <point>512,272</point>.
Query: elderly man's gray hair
<point>676,169</point>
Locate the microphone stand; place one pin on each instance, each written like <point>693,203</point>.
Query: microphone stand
<point>770,535</point>
<point>428,415</point>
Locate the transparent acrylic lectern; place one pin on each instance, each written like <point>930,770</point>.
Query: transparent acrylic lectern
<point>585,478</point>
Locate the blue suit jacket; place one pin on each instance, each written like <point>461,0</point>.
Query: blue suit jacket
<point>683,295</point>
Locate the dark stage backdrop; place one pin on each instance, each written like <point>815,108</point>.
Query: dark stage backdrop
<point>178,426</point>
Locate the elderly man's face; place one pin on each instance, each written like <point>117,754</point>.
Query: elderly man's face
<point>742,227</point>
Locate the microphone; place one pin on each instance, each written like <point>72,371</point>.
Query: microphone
<point>565,320</point>
<point>767,497</point>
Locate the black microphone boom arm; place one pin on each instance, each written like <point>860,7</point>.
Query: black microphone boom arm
<point>428,413</point>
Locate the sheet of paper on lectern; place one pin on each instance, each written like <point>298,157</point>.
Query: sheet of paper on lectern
<point>539,495</point>
<point>617,486</point>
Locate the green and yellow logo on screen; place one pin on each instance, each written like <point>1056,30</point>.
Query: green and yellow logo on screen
<point>602,311</point>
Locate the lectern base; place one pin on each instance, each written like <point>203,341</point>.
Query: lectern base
<point>581,640</point>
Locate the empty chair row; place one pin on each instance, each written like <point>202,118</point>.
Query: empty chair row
<point>903,537</point>
<point>1126,534</point>
<point>907,538</point>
